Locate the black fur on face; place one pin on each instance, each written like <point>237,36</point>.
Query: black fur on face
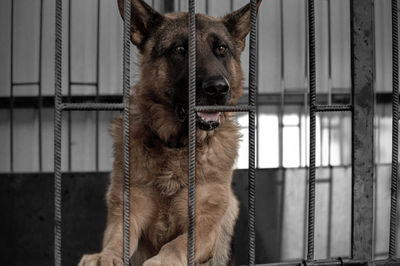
<point>215,51</point>
<point>163,40</point>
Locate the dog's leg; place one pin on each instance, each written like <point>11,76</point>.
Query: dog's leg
<point>212,204</point>
<point>223,248</point>
<point>112,252</point>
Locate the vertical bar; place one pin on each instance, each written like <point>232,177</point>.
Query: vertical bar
<point>40,87</point>
<point>312,84</point>
<point>12,89</point>
<point>57,135</point>
<point>97,85</point>
<point>362,59</point>
<point>207,7</point>
<point>395,131</point>
<point>126,84</point>
<point>192,133</point>
<point>252,114</point>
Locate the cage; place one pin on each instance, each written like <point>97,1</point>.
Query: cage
<point>324,182</point>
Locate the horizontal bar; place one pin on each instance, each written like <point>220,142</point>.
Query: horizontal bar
<point>83,83</point>
<point>224,108</point>
<point>339,261</point>
<point>262,99</point>
<point>25,83</point>
<point>48,101</point>
<point>333,108</point>
<point>92,106</point>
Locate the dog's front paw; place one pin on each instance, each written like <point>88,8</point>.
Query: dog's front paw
<point>158,261</point>
<point>101,259</point>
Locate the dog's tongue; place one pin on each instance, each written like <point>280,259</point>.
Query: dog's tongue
<point>209,116</point>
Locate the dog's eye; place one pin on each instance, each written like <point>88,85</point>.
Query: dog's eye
<point>180,49</point>
<point>221,49</point>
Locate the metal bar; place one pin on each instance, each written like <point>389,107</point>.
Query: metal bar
<point>362,71</point>
<point>312,82</point>
<point>294,99</point>
<point>333,108</point>
<point>40,101</point>
<point>192,135</point>
<point>395,131</point>
<point>234,108</point>
<point>338,261</point>
<point>252,121</point>
<point>126,132</point>
<point>93,106</point>
<point>57,135</point>
<point>12,89</point>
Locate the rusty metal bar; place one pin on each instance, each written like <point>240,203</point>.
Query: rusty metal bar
<point>92,106</point>
<point>232,108</point>
<point>362,71</point>
<point>192,136</point>
<point>252,125</point>
<point>395,131</point>
<point>311,171</point>
<point>298,99</point>
<point>57,135</point>
<point>333,108</point>
<point>126,126</point>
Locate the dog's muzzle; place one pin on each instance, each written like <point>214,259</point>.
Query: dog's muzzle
<point>214,91</point>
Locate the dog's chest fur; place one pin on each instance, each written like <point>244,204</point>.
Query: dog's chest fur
<point>167,168</point>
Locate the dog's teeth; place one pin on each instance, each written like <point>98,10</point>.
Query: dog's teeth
<point>209,116</point>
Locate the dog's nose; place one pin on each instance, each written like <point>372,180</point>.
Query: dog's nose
<point>216,86</point>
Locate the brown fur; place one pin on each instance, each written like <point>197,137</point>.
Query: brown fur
<point>159,158</point>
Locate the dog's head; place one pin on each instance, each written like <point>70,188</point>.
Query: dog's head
<point>162,41</point>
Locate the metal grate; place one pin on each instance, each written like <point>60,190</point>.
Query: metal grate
<point>60,106</point>
<point>362,121</point>
<point>251,108</point>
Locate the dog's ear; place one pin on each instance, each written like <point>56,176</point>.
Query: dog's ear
<point>238,23</point>
<point>144,19</point>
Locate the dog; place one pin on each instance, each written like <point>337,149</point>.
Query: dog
<point>159,141</point>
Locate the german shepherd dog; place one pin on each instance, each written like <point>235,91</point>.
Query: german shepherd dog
<point>159,141</point>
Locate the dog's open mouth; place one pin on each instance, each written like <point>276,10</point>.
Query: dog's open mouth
<point>204,120</point>
<point>208,120</point>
